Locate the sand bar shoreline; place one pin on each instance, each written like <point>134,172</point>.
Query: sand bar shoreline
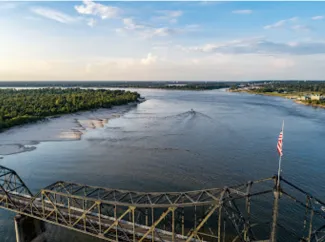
<point>66,127</point>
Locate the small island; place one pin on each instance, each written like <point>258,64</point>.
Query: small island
<point>29,105</point>
<point>303,92</point>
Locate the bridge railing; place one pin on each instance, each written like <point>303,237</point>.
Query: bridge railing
<point>237,213</point>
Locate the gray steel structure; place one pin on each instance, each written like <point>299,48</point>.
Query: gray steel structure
<point>246,212</point>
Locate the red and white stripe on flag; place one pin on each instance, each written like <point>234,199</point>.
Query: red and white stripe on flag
<point>279,146</point>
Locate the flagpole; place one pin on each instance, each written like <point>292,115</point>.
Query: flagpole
<point>279,171</point>
<point>273,235</point>
<point>280,158</point>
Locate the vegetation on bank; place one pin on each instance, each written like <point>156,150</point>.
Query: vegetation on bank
<point>293,87</point>
<point>194,87</point>
<point>304,92</point>
<point>24,106</point>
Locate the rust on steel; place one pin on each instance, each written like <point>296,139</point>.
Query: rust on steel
<point>245,212</point>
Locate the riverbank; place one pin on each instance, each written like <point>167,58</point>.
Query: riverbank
<point>292,96</point>
<point>31,105</point>
<point>322,105</point>
<point>67,127</point>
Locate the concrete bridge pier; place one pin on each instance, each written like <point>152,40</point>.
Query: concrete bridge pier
<point>29,229</point>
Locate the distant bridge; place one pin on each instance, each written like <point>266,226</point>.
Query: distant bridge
<point>247,212</point>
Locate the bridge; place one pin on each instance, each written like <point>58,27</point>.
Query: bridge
<point>254,211</point>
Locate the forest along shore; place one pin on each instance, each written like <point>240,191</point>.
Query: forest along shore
<point>310,93</point>
<point>26,106</point>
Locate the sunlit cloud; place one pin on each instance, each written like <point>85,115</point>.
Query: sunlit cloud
<point>317,18</point>
<point>53,15</point>
<point>149,31</point>
<point>168,16</point>
<point>97,9</point>
<point>301,27</point>
<point>150,59</point>
<point>261,46</point>
<point>281,23</point>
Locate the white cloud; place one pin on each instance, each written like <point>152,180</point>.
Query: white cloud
<point>261,46</point>
<point>275,25</point>
<point>150,59</point>
<point>148,31</point>
<point>317,17</point>
<point>53,14</point>
<point>165,31</point>
<point>130,24</point>
<point>301,27</point>
<point>118,67</point>
<point>91,22</point>
<point>293,43</point>
<point>281,23</point>
<point>168,16</point>
<point>293,19</point>
<point>103,11</point>
<point>243,11</point>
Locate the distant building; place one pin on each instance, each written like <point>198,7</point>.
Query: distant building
<point>315,97</point>
<point>303,98</point>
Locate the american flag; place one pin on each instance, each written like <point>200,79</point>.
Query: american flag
<point>279,146</point>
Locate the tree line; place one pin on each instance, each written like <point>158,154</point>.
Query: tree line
<point>170,85</point>
<point>294,86</point>
<point>28,105</point>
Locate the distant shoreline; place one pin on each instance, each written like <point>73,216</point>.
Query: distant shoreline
<point>169,88</point>
<point>279,95</point>
<point>166,85</point>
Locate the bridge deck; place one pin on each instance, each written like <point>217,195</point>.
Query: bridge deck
<point>23,202</point>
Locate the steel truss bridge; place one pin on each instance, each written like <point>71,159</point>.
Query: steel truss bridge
<point>254,211</point>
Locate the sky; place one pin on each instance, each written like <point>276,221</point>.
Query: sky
<point>207,41</point>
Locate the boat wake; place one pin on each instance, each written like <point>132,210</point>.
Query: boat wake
<point>189,114</point>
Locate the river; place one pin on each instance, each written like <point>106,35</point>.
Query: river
<point>160,145</point>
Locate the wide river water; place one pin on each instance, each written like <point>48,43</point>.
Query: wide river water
<point>159,145</point>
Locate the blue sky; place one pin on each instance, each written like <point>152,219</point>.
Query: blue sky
<point>94,40</point>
